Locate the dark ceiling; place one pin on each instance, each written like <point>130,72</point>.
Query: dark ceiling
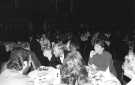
<point>69,14</point>
<point>69,11</point>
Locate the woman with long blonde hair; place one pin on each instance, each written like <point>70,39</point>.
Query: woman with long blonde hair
<point>72,68</point>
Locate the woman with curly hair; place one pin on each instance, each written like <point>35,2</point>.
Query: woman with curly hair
<point>20,57</point>
<point>15,69</point>
<point>72,67</point>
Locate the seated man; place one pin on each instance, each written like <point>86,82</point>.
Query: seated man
<point>100,61</point>
<point>99,56</point>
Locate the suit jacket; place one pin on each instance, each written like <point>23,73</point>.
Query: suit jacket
<point>53,62</point>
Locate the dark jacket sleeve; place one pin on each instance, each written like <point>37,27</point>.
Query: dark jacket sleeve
<point>55,61</point>
<point>112,68</point>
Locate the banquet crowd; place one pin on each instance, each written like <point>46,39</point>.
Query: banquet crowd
<point>66,59</point>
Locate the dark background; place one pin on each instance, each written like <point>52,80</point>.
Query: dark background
<point>21,18</point>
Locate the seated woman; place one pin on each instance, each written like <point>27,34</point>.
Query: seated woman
<point>14,70</point>
<point>49,54</point>
<point>73,71</point>
<point>59,51</point>
<point>100,61</point>
<point>48,74</point>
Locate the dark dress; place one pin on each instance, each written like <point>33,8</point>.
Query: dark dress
<point>53,62</point>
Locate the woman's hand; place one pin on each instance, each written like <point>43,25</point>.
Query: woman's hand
<point>92,53</point>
